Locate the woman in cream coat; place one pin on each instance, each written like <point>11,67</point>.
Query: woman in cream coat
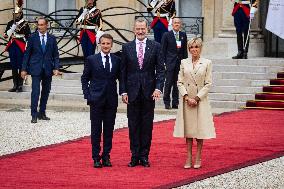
<point>194,117</point>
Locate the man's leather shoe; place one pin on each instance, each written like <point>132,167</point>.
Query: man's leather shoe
<point>107,163</point>
<point>144,162</point>
<point>97,164</point>
<point>43,117</point>
<point>134,162</point>
<point>34,120</point>
<point>14,89</point>
<point>167,107</point>
<point>245,56</point>
<point>175,106</point>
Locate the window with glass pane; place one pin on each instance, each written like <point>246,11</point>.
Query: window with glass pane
<point>38,5</point>
<point>64,13</point>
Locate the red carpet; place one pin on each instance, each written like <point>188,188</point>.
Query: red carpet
<point>243,138</point>
<point>272,96</point>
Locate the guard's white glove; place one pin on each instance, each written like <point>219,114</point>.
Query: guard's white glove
<point>170,25</point>
<point>252,12</point>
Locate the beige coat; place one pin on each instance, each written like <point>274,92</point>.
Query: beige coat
<point>195,122</point>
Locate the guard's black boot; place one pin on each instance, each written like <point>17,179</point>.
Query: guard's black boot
<point>15,81</point>
<point>240,47</point>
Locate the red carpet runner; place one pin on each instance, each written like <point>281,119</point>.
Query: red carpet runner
<point>243,138</point>
<point>272,96</point>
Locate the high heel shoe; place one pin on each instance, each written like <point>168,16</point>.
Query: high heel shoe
<point>187,164</point>
<point>197,164</point>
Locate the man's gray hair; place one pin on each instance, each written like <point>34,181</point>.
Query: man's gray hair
<point>141,20</point>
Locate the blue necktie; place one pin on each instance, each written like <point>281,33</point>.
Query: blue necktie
<point>42,43</point>
<point>107,64</point>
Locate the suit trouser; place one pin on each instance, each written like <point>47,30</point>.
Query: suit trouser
<point>87,46</point>
<point>159,29</point>
<point>140,115</point>
<point>16,59</point>
<point>46,86</point>
<point>241,22</point>
<point>171,85</point>
<point>104,113</point>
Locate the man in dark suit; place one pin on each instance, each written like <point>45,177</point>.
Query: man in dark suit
<point>174,49</point>
<point>41,60</point>
<point>142,79</point>
<point>100,89</point>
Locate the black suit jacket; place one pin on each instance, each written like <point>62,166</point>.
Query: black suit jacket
<point>35,60</point>
<point>149,78</point>
<point>97,84</point>
<point>170,53</point>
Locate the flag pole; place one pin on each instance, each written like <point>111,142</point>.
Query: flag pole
<point>14,17</point>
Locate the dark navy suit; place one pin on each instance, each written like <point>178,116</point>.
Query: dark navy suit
<point>100,89</point>
<point>139,84</point>
<point>40,64</point>
<point>172,56</point>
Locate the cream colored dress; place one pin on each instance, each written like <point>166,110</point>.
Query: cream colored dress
<point>195,122</point>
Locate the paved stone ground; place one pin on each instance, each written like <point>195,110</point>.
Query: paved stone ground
<point>18,134</point>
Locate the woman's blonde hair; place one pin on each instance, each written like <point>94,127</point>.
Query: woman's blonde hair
<point>196,40</point>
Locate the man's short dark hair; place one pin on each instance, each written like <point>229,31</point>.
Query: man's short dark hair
<point>108,36</point>
<point>43,18</point>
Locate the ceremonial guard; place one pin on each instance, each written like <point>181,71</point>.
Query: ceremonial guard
<point>243,13</point>
<point>164,11</point>
<point>17,32</point>
<point>90,21</point>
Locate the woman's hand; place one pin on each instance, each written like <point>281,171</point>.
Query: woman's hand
<point>190,101</point>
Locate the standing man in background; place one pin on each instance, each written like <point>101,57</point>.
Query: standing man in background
<point>100,89</point>
<point>243,12</point>
<point>41,59</point>
<point>90,21</point>
<point>17,31</point>
<point>174,49</point>
<point>164,11</point>
<point>142,80</point>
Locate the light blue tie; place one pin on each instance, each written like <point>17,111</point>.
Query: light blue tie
<point>42,43</point>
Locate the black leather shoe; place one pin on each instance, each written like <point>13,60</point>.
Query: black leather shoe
<point>134,162</point>
<point>34,120</point>
<point>43,117</point>
<point>238,56</point>
<point>97,164</point>
<point>167,107</point>
<point>175,106</point>
<point>14,89</point>
<point>107,163</point>
<point>144,162</point>
<point>20,89</point>
<point>245,56</point>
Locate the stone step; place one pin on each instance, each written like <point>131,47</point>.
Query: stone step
<point>240,82</point>
<point>59,89</point>
<point>227,104</point>
<point>242,75</point>
<point>246,69</point>
<point>67,83</point>
<point>235,90</point>
<point>230,97</point>
<point>251,62</point>
<point>72,76</point>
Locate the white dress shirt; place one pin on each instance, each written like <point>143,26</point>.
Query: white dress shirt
<point>138,45</point>
<point>104,60</point>
<point>45,37</point>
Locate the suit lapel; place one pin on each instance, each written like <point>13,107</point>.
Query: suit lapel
<point>47,42</point>
<point>100,62</point>
<point>147,54</point>
<point>133,51</point>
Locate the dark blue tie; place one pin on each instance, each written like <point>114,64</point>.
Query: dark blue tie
<point>107,64</point>
<point>42,43</point>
